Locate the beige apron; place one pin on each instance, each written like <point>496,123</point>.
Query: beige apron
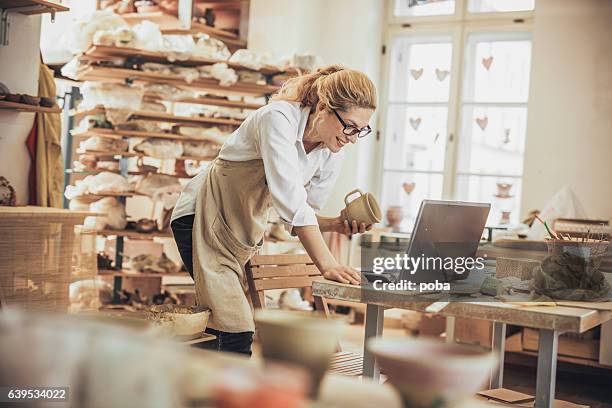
<point>232,210</point>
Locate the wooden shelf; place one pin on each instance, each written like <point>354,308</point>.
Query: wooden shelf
<point>96,171</point>
<point>166,117</point>
<point>111,194</point>
<point>128,273</point>
<point>136,154</point>
<point>170,25</point>
<point>135,234</point>
<point>31,7</point>
<point>23,107</point>
<point>131,173</point>
<point>120,134</point>
<point>208,101</point>
<point>120,75</point>
<point>104,52</point>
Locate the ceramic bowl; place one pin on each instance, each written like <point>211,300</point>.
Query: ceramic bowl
<point>429,373</point>
<point>298,339</point>
<point>181,321</point>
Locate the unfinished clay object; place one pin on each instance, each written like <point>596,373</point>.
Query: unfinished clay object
<point>299,339</point>
<point>428,373</point>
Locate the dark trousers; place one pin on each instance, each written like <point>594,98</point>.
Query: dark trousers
<point>182,229</point>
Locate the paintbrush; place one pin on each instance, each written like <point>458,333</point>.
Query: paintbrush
<point>552,235</point>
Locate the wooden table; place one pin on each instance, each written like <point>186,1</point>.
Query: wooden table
<point>550,321</point>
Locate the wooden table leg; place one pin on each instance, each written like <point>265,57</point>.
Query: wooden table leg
<point>499,348</point>
<point>450,329</point>
<point>373,328</point>
<point>547,369</point>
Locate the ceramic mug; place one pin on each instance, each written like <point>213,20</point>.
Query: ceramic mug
<point>363,209</point>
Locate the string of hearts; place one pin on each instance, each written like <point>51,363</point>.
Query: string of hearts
<point>441,74</point>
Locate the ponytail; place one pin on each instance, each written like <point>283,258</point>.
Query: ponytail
<point>335,86</point>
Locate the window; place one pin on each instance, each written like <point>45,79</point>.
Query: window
<point>456,105</point>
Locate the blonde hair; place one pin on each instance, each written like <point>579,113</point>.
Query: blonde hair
<point>335,86</point>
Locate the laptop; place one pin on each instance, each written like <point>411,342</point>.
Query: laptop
<point>445,230</point>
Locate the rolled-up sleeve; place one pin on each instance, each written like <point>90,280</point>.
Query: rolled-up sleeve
<point>277,138</point>
<point>324,180</point>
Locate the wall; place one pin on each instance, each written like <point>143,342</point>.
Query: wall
<point>569,130</point>
<point>19,72</point>
<point>348,32</point>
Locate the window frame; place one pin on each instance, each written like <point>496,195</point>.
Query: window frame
<point>459,27</point>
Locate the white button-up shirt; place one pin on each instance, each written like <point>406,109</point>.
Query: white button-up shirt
<point>299,183</point>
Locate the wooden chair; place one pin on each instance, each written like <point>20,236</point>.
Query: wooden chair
<point>265,272</point>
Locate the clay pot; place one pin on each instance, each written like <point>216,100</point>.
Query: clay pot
<point>428,373</point>
<point>505,218</point>
<point>146,225</point>
<point>395,215</point>
<point>298,339</point>
<point>30,100</point>
<point>503,190</point>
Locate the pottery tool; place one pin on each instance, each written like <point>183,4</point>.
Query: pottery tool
<point>436,307</point>
<point>550,232</point>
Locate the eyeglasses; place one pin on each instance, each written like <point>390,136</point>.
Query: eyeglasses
<point>350,130</point>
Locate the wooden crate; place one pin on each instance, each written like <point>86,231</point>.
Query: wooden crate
<point>36,257</point>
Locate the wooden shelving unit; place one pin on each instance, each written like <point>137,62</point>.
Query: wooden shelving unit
<point>23,107</point>
<point>93,69</point>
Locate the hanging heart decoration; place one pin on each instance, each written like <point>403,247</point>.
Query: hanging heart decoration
<point>487,62</point>
<point>442,74</point>
<point>416,73</point>
<point>415,123</point>
<point>409,187</point>
<point>506,136</point>
<point>482,122</point>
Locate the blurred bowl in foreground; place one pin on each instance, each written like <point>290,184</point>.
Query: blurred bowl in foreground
<point>299,339</point>
<point>428,373</point>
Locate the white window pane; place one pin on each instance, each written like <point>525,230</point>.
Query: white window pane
<point>497,70</point>
<point>426,186</point>
<point>505,207</point>
<point>416,8</point>
<point>492,140</point>
<point>499,6</point>
<point>416,138</point>
<point>420,69</point>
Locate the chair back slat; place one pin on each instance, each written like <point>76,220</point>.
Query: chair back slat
<point>259,260</point>
<point>285,283</point>
<point>284,271</point>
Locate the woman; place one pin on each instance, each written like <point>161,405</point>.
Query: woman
<point>285,155</point>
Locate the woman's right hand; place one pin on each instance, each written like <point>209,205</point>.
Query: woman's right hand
<point>343,274</point>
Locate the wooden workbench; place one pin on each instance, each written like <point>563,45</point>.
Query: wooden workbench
<point>550,321</point>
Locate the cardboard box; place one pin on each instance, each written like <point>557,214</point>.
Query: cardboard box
<point>473,331</point>
<point>568,346</point>
<point>432,325</point>
<point>509,398</point>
